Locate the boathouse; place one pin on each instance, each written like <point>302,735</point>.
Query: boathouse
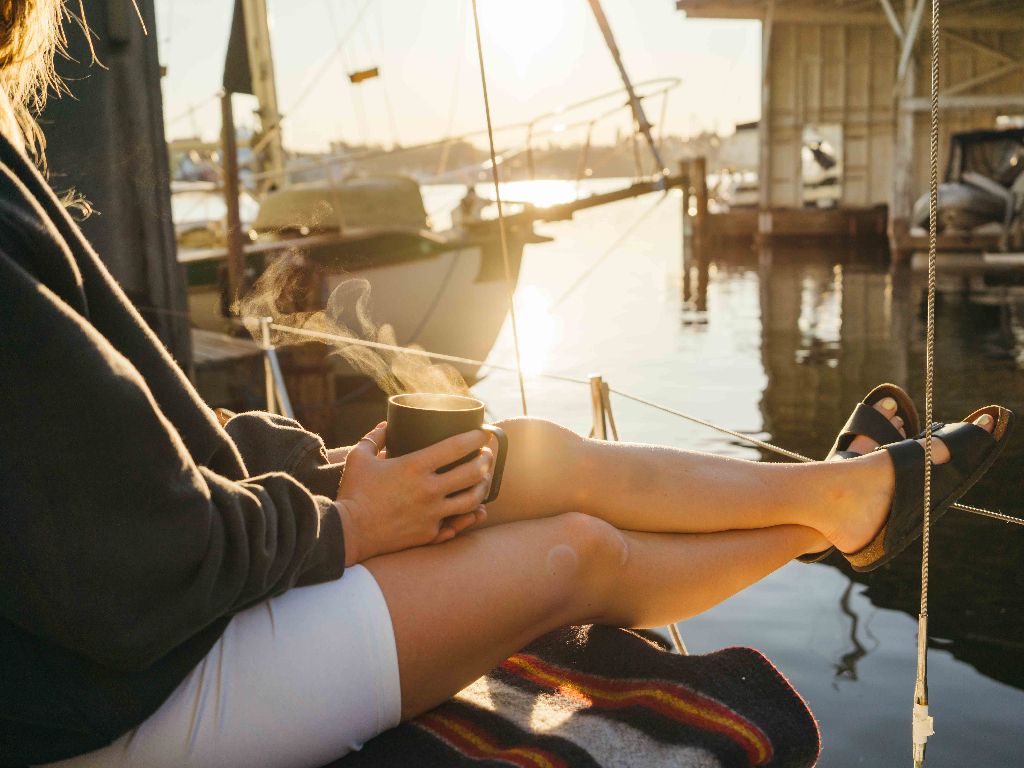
<point>853,75</point>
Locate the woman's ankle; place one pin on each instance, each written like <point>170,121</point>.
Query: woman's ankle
<point>860,501</point>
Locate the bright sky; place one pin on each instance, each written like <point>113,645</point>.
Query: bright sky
<point>539,54</point>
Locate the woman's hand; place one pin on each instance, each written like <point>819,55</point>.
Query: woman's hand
<point>395,504</point>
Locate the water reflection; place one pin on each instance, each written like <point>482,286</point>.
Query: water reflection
<point>846,667</point>
<point>829,334</point>
<point>536,328</point>
<point>786,347</point>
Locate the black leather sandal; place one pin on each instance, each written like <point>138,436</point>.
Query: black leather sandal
<point>867,421</point>
<point>973,450</point>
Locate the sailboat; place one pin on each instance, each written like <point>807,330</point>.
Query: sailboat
<point>442,290</point>
<point>445,291</point>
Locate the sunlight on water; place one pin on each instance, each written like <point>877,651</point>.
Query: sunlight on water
<point>536,328</point>
<point>542,193</point>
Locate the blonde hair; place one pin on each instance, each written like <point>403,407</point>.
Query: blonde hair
<point>30,34</point>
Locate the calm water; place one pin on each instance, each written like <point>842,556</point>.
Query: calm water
<point>784,356</point>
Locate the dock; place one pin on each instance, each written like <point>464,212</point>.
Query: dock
<point>855,75</point>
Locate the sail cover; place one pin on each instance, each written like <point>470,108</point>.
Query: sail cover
<point>237,74</point>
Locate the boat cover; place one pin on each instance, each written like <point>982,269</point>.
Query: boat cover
<point>373,203</point>
<point>998,155</point>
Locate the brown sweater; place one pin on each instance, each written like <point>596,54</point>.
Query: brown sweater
<point>132,526</point>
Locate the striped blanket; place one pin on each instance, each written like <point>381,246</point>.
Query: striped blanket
<point>602,697</point>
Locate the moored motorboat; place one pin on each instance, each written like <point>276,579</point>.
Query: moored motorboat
<point>984,179</point>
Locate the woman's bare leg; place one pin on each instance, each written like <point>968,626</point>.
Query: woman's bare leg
<point>551,470</point>
<point>461,608</point>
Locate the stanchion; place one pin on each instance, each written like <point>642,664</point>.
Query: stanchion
<point>277,394</point>
<point>601,404</point>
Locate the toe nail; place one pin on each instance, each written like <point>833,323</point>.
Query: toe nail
<point>984,420</point>
<point>889,404</point>
<point>897,421</point>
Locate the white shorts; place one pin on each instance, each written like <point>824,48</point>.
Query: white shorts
<point>295,682</point>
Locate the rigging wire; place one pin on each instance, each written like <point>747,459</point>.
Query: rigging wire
<point>922,722</point>
<point>455,90</point>
<point>357,95</point>
<point>661,123</point>
<point>324,68</point>
<point>192,108</point>
<point>362,155</point>
<point>396,141</point>
<point>335,338</point>
<point>608,252</point>
<point>501,213</point>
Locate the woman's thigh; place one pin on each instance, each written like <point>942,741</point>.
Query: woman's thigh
<point>461,608</point>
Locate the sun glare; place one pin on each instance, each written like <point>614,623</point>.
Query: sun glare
<point>542,192</point>
<point>522,30</point>
<point>536,328</point>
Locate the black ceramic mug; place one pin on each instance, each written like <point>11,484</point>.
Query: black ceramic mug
<point>419,421</point>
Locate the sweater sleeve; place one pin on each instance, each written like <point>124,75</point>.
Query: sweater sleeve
<point>113,542</point>
<point>271,443</point>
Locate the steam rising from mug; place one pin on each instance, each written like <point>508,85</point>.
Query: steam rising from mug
<point>292,283</point>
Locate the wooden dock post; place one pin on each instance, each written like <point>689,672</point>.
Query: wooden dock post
<point>687,247</point>
<point>702,253</point>
<point>600,401</point>
<point>600,430</point>
<point>233,225</point>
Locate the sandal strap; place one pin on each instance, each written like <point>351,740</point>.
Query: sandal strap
<point>968,444</point>
<point>908,461</point>
<point>866,420</point>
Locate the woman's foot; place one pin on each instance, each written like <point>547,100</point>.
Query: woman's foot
<point>867,509</point>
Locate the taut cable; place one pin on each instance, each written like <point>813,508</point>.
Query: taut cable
<point>922,722</point>
<point>501,213</point>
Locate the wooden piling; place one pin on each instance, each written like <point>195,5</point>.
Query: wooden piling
<point>701,250</point>
<point>236,255</point>
<point>687,245</point>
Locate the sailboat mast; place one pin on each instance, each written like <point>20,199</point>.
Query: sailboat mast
<point>638,110</point>
<point>261,64</point>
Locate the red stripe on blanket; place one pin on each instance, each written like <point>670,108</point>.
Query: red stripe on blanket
<point>473,741</point>
<point>668,699</point>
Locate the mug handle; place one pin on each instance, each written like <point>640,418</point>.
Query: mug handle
<point>499,461</point>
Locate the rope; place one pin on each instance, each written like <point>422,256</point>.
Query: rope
<point>702,422</point>
<point>922,723</point>
<point>332,337</point>
<point>501,213</point>
<point>608,252</point>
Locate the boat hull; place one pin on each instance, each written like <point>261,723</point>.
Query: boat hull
<point>961,207</point>
<point>447,299</point>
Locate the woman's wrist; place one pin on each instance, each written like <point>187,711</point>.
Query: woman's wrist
<point>353,554</point>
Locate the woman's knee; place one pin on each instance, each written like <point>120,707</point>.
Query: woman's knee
<point>586,555</point>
